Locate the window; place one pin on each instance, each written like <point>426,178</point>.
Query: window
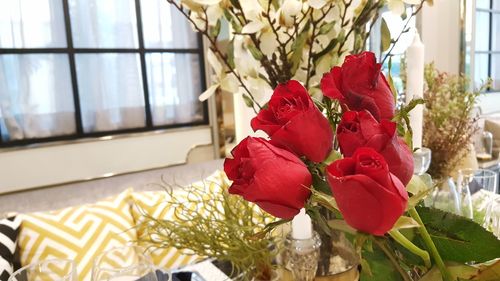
<point>84,68</point>
<point>482,34</point>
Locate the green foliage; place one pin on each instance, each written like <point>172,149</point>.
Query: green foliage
<point>459,239</point>
<point>209,222</point>
<point>377,267</point>
<point>385,41</point>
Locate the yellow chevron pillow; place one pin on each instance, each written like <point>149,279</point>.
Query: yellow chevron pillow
<point>155,204</point>
<point>79,233</point>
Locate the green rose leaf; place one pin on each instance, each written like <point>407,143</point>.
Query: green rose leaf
<point>459,239</point>
<point>377,267</point>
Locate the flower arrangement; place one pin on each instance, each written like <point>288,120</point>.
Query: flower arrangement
<point>449,122</point>
<point>273,41</point>
<point>346,154</point>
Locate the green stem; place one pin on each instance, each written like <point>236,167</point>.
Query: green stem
<point>430,246</point>
<point>387,251</point>
<point>401,239</point>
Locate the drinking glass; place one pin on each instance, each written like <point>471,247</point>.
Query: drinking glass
<point>128,263</point>
<point>492,217</point>
<point>475,186</point>
<point>48,270</point>
<point>421,160</point>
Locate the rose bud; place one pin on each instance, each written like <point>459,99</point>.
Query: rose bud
<point>293,121</point>
<point>273,178</point>
<point>360,85</point>
<point>370,198</point>
<point>358,129</point>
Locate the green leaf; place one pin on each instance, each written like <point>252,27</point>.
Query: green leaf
<point>230,54</point>
<point>459,239</point>
<point>385,42</point>
<point>324,200</point>
<point>248,100</point>
<point>256,53</point>
<point>380,267</point>
<point>297,49</point>
<point>324,29</point>
<point>391,81</point>
<point>214,31</point>
<point>405,222</point>
<point>332,157</point>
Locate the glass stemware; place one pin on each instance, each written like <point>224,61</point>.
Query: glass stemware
<point>129,263</point>
<point>476,189</point>
<point>49,270</point>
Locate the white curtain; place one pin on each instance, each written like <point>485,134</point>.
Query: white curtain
<point>35,89</point>
<point>174,79</point>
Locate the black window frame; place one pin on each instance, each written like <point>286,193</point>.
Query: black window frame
<point>71,51</point>
<point>490,52</point>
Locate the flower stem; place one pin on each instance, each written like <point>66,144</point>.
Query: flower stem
<point>401,239</point>
<point>387,251</point>
<point>430,246</point>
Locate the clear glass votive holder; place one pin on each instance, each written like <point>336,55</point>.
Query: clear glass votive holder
<point>421,160</point>
<point>302,257</point>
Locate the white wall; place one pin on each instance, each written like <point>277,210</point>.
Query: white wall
<point>49,165</point>
<point>440,32</point>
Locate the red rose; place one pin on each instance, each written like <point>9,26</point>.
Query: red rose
<point>370,198</point>
<point>294,122</point>
<point>357,129</point>
<point>359,84</point>
<point>273,178</point>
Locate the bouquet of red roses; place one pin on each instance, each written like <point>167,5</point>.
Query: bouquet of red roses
<point>346,153</point>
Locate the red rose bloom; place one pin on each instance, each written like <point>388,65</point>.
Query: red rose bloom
<point>359,84</point>
<point>273,178</point>
<point>370,198</point>
<point>357,129</point>
<point>294,122</point>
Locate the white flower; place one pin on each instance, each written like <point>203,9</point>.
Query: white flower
<point>214,13</point>
<point>253,27</point>
<point>288,11</point>
<point>317,4</point>
<point>268,43</point>
<point>397,7</point>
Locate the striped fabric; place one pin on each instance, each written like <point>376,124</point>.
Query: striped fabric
<point>155,204</point>
<point>78,233</point>
<point>9,230</point>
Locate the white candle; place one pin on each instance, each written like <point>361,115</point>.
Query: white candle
<point>302,226</point>
<point>415,86</point>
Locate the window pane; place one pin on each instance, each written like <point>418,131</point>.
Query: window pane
<point>495,36</point>
<point>36,97</point>
<point>111,93</point>
<point>481,69</point>
<point>103,24</point>
<point>483,4</point>
<point>174,86</point>
<point>31,24</point>
<point>158,19</point>
<point>495,71</point>
<point>496,5</point>
<point>482,31</point>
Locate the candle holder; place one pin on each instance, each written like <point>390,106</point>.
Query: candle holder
<point>302,256</point>
<point>421,160</point>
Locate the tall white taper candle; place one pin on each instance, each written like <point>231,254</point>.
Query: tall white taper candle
<point>415,86</point>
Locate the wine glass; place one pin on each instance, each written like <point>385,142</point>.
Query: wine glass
<point>421,160</point>
<point>128,263</point>
<point>476,188</point>
<point>53,270</point>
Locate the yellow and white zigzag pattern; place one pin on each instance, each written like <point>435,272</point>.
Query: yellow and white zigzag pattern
<point>78,233</point>
<point>156,204</point>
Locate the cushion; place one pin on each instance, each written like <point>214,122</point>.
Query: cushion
<point>493,126</point>
<point>79,233</point>
<point>155,204</point>
<point>9,230</point>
